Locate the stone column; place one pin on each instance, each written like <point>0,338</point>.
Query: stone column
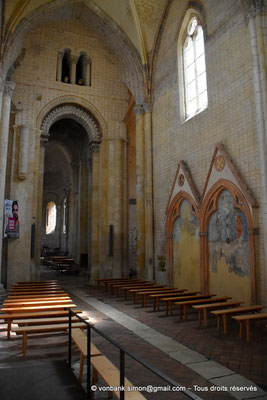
<point>73,62</point>
<point>140,195</point>
<point>41,142</point>
<point>149,192</point>
<point>83,207</point>
<point>96,207</point>
<point>60,55</point>
<point>24,151</point>
<point>4,130</point>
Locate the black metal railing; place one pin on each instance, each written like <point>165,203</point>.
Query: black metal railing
<point>123,351</point>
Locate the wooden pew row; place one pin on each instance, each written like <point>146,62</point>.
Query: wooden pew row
<point>172,293</point>
<point>189,303</point>
<point>145,289</point>
<point>176,300</point>
<point>130,291</point>
<point>246,319</point>
<point>9,318</point>
<point>237,310</point>
<point>27,303</point>
<point>126,281</point>
<point>117,287</point>
<point>26,330</point>
<point>103,280</point>
<point>36,296</point>
<point>204,308</point>
<point>145,293</point>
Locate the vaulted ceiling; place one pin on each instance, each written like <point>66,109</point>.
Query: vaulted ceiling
<point>140,20</point>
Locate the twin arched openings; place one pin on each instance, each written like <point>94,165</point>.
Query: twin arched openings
<point>210,245</point>
<point>74,69</point>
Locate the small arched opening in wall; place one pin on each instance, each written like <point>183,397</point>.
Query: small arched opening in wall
<point>51,218</point>
<point>227,243</point>
<point>182,242</point>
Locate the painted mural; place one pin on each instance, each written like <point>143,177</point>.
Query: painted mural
<point>186,263</point>
<point>229,250</point>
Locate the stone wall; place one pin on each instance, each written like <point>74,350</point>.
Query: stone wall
<point>229,118</point>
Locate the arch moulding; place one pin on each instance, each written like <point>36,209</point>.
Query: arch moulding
<point>76,108</point>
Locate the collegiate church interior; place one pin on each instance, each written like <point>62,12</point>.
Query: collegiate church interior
<point>133,145</point>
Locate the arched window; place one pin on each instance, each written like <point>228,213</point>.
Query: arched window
<point>65,72</point>
<point>64,226</point>
<point>80,70</point>
<point>194,69</point>
<point>51,218</point>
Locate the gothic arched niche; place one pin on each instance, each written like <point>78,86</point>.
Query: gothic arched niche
<point>229,269</point>
<point>185,247</point>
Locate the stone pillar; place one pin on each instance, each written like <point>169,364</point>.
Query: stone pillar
<point>83,207</point>
<point>24,151</point>
<point>140,195</point>
<point>149,192</point>
<point>73,62</point>
<point>60,55</point>
<point>96,208</point>
<point>41,142</point>
<point>87,72</point>
<point>4,130</point>
<point>115,204</point>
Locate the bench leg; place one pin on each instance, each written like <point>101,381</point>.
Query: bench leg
<point>9,328</point>
<point>205,317</point>
<point>185,312</point>
<point>81,368</point>
<point>95,376</point>
<point>240,329</point>
<point>199,318</point>
<point>224,323</point>
<point>218,323</point>
<point>247,330</point>
<point>24,343</point>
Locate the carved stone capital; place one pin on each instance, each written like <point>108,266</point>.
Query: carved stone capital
<point>94,147</point>
<point>253,7</point>
<point>44,140</point>
<point>9,88</point>
<point>60,55</point>
<point>139,109</point>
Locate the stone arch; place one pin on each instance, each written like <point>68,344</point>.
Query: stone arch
<point>209,207</point>
<point>134,75</point>
<point>72,111</point>
<point>87,112</point>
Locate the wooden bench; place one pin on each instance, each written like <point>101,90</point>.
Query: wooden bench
<point>145,289</point>
<point>128,292</point>
<point>157,296</point>
<point>35,296</point>
<point>25,330</point>
<point>147,293</point>
<point>237,310</point>
<point>103,280</point>
<point>54,307</point>
<point>204,308</point>
<point>111,375</point>
<point>184,304</point>
<point>114,287</point>
<point>126,281</point>
<point>80,339</point>
<point>170,301</point>
<point>246,320</point>
<point>35,291</point>
<point>35,302</point>
<point>44,314</point>
<point>34,282</point>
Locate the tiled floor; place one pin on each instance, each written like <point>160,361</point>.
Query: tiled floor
<point>195,358</point>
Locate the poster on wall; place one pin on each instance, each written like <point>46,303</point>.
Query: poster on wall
<point>11,221</point>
